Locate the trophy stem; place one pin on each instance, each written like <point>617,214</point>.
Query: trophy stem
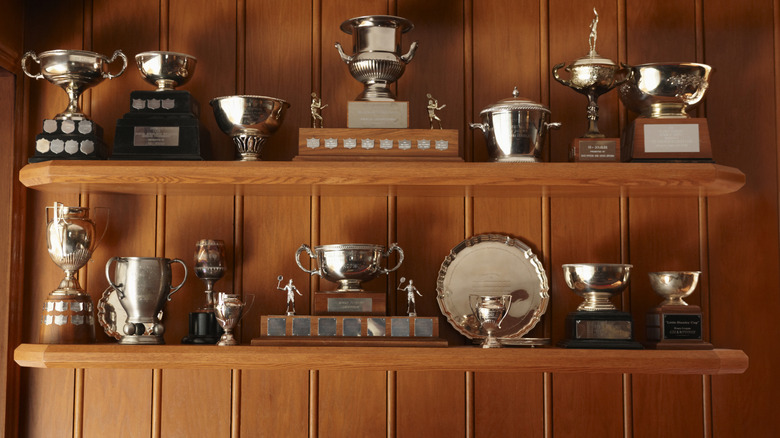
<point>377,91</point>
<point>593,118</point>
<point>73,112</point>
<point>491,341</point>
<point>249,146</point>
<point>595,301</point>
<point>70,284</point>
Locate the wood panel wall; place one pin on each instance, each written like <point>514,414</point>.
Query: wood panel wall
<point>471,54</point>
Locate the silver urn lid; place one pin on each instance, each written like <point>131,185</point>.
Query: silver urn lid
<point>514,103</point>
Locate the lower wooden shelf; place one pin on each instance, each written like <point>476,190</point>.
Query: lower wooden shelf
<point>462,358</point>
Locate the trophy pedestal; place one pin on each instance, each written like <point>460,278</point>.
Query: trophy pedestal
<point>349,330</point>
<point>204,329</point>
<point>67,319</point>
<point>69,140</point>
<point>322,144</point>
<point>364,114</point>
<point>609,329</point>
<point>667,140</point>
<point>161,125</point>
<point>675,327</point>
<point>595,150</point>
<point>350,303</point>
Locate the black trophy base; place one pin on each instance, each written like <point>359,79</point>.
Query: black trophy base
<point>607,329</point>
<point>204,329</point>
<point>69,140</point>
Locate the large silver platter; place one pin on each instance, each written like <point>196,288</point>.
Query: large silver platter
<point>492,264</point>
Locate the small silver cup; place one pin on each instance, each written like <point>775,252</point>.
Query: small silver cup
<point>490,311</point>
<point>229,310</point>
<point>166,70</point>
<point>673,286</point>
<point>596,283</point>
<point>249,121</point>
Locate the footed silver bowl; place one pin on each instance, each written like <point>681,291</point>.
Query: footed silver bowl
<point>249,120</point>
<point>349,265</point>
<point>596,283</point>
<point>674,285</point>
<point>664,90</point>
<point>166,70</point>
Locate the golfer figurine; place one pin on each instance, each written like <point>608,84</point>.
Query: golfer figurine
<point>291,291</point>
<point>411,309</point>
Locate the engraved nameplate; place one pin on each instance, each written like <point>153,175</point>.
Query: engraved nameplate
<point>352,327</point>
<point>276,327</point>
<point>362,114</point>
<point>399,327</point>
<point>376,326</point>
<point>665,138</point>
<point>603,329</point>
<point>682,326</point>
<point>156,136</point>
<point>326,326</point>
<point>423,327</point>
<point>349,305</point>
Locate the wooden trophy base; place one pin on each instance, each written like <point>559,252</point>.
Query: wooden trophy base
<point>595,150</point>
<point>675,328</point>
<point>367,331</point>
<point>667,140</point>
<point>67,319</point>
<point>328,144</point>
<point>608,329</point>
<point>350,303</point>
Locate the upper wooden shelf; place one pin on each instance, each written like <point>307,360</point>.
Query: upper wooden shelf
<point>465,358</point>
<point>382,178</point>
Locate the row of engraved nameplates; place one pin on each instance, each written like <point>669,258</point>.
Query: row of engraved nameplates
<point>369,143</point>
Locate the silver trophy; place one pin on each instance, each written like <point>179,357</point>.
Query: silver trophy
<point>490,311</point>
<point>596,283</point>
<point>74,71</point>
<point>143,284</point>
<point>166,70</point>
<point>71,240</point>
<point>665,90</point>
<point>210,267</point>
<point>376,61</point>
<point>349,265</point>
<point>673,286</point>
<point>249,121</point>
<point>592,76</point>
<point>229,310</point>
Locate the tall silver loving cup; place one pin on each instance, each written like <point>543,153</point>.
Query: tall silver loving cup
<point>143,284</point>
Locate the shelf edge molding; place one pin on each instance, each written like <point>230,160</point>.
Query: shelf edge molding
<point>468,358</point>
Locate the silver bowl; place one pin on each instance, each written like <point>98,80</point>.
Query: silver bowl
<point>349,264</point>
<point>664,90</point>
<point>596,283</point>
<point>249,120</point>
<point>166,70</point>
<point>674,285</point>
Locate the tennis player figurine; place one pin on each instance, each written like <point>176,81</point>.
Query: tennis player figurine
<point>411,308</point>
<point>433,106</point>
<point>316,111</point>
<point>291,291</point>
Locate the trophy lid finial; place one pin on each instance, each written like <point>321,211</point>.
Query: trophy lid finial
<point>593,33</point>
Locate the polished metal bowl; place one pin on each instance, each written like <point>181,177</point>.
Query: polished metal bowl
<point>664,90</point>
<point>166,70</point>
<point>596,283</point>
<point>249,120</point>
<point>674,285</point>
<point>350,264</point>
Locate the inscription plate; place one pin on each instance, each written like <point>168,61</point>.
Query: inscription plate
<point>666,138</point>
<point>399,327</point>
<point>156,136</point>
<point>349,305</point>
<point>682,326</point>
<point>594,329</point>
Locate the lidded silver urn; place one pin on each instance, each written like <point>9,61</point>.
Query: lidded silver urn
<point>376,62</point>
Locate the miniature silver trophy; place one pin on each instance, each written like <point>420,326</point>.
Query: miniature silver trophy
<point>229,310</point>
<point>490,311</point>
<point>316,111</point>
<point>433,106</point>
<point>411,307</point>
<point>291,291</point>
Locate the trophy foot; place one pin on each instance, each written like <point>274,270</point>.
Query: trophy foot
<point>249,146</point>
<point>377,92</point>
<point>491,342</point>
<point>227,340</point>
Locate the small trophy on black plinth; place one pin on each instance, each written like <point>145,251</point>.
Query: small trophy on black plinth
<point>162,124</point>
<point>675,324</point>
<point>209,267</point>
<point>71,135</point>
<point>597,323</point>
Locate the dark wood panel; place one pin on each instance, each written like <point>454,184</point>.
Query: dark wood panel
<point>430,404</point>
<point>118,402</point>
<point>352,404</point>
<point>661,31</point>
<point>196,403</point>
<point>274,403</point>
<point>509,404</point>
<point>668,406</point>
<point>47,403</point>
<point>11,31</point>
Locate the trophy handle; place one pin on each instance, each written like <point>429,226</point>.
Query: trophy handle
<point>105,227</point>
<point>111,282</point>
<point>629,71</point>
<point>394,247</point>
<point>119,53</point>
<point>410,54</point>
<point>306,248</point>
<point>344,57</point>
<point>481,126</point>
<point>507,299</point>
<point>34,57</point>
<point>552,125</point>
<point>179,261</point>
<point>248,308</point>
<point>558,78</point>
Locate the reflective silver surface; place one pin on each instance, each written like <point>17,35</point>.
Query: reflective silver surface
<point>665,90</point>
<point>490,311</point>
<point>166,70</point>
<point>74,71</point>
<point>674,285</point>
<point>210,266</point>
<point>597,282</point>
<point>143,284</point>
<point>71,240</point>
<point>349,264</point>
<point>249,120</point>
<point>228,310</point>
<point>376,62</point>
<point>514,129</point>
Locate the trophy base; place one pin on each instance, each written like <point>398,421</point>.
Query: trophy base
<point>204,329</point>
<point>610,329</point>
<point>668,140</point>
<point>322,144</point>
<point>390,114</point>
<point>351,303</point>
<point>69,140</point>
<point>675,327</point>
<point>595,150</point>
<point>142,340</point>
<point>67,319</point>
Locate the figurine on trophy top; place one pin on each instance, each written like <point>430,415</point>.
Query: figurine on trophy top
<point>433,106</point>
<point>592,75</point>
<point>70,135</point>
<point>411,308</point>
<point>163,123</point>
<point>291,291</point>
<point>316,111</point>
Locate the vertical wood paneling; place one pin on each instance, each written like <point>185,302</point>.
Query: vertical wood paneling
<point>195,403</point>
<point>431,404</point>
<point>130,394</point>
<point>274,403</point>
<point>47,403</point>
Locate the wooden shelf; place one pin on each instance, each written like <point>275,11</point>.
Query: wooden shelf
<point>465,358</point>
<point>382,178</point>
